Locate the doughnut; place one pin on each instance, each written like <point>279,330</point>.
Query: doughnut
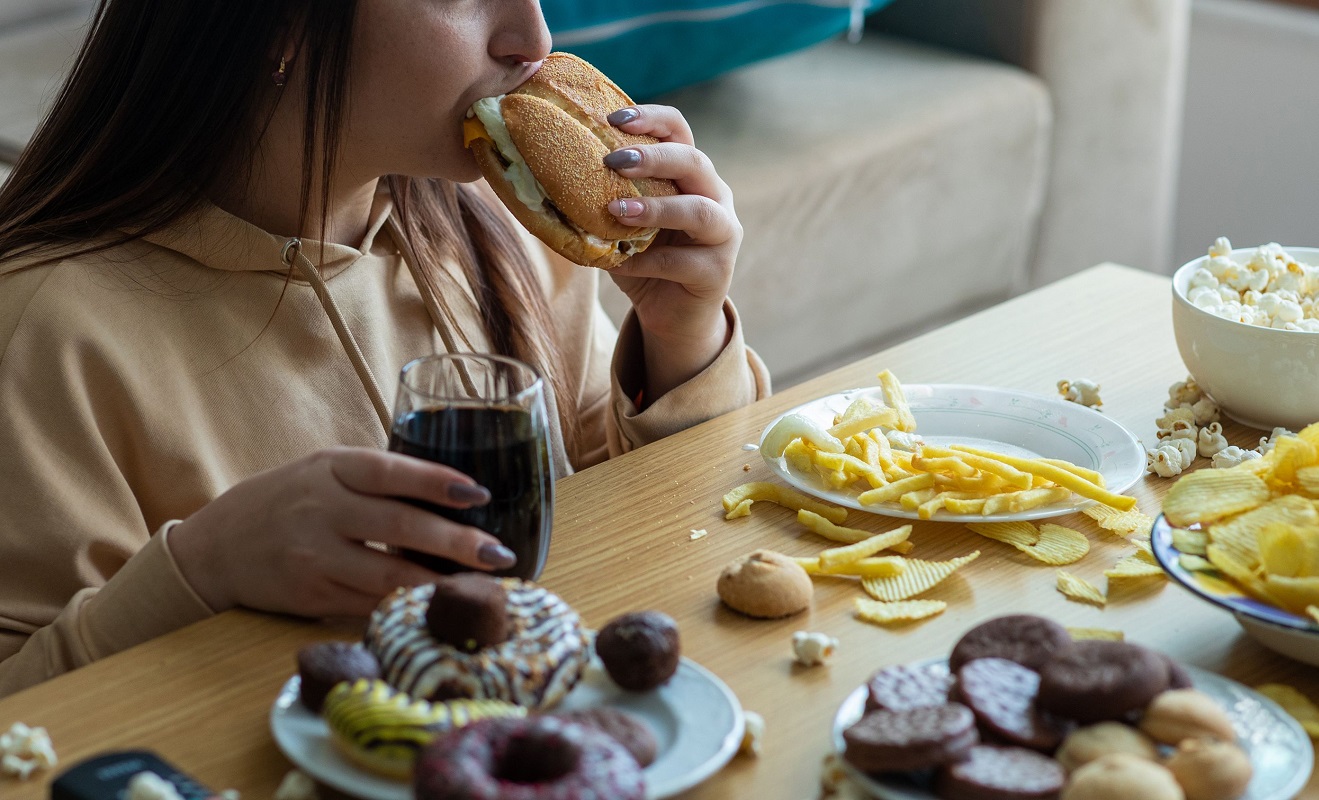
<point>382,730</point>
<point>323,665</point>
<point>629,731</point>
<point>537,758</point>
<point>543,657</point>
<point>640,651</point>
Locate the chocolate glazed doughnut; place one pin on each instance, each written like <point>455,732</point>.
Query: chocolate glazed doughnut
<point>539,758</point>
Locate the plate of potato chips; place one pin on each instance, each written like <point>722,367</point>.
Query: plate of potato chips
<point>954,453</point>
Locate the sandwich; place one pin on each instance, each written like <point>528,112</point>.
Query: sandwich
<point>541,147</point>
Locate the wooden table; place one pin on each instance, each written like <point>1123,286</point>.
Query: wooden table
<point>201,696</point>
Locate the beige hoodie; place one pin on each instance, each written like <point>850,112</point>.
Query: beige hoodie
<point>139,384</point>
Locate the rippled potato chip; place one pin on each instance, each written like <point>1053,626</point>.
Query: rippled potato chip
<point>1079,589</point>
<point>1208,495</point>
<point>1291,551</point>
<point>1293,594</point>
<point>1018,533</point>
<point>1190,542</point>
<point>1194,563</point>
<point>1058,545</point>
<point>1293,702</point>
<point>918,577</point>
<point>1122,523</point>
<point>1132,571</point>
<point>1239,535</point>
<point>1239,573</point>
<point>886,613</point>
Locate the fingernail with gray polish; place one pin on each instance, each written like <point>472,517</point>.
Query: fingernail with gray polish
<point>468,493</point>
<point>622,159</point>
<point>496,555</point>
<point>623,116</point>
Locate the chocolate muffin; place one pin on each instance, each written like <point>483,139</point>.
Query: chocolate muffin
<point>321,666</point>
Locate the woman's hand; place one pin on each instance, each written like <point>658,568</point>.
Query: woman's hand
<point>292,539</point>
<point>678,285</point>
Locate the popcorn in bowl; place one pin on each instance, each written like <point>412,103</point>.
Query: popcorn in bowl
<point>1271,289</point>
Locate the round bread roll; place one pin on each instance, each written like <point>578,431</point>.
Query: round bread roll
<point>1186,714</point>
<point>1122,777</point>
<point>766,584</point>
<point>541,147</point>
<point>1209,769</point>
<point>1093,742</point>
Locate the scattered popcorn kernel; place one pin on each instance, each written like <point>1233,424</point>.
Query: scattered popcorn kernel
<point>1166,461</point>
<point>813,649</point>
<point>1211,440</point>
<point>753,734</point>
<point>1082,391</point>
<point>1232,455</point>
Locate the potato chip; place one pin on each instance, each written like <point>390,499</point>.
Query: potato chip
<point>1194,563</point>
<point>897,398</point>
<point>1132,571</point>
<point>1312,612</point>
<point>881,613</point>
<point>795,426</point>
<point>1144,552</point>
<point>1300,707</point>
<point>1017,534</point>
<point>1080,589</point>
<point>919,576</point>
<point>1290,454</point>
<point>1289,550</point>
<point>1190,542</point>
<point>1122,523</point>
<point>1057,545</point>
<point>1239,535</point>
<point>1307,481</point>
<point>896,489</point>
<point>1293,594</point>
<point>866,547</point>
<point>1103,634</point>
<point>1209,495</point>
<point>1239,573</point>
<point>784,496</point>
<point>883,567</point>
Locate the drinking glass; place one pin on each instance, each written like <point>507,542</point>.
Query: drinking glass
<point>483,415</point>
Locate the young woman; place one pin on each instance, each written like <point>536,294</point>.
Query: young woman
<point>238,222</point>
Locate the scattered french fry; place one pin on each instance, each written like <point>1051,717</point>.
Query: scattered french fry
<point>838,556</point>
<point>784,496</point>
<point>882,567</point>
<point>1082,634</point>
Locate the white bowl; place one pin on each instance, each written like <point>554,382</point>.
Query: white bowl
<point>1291,642</point>
<point>1259,376</point>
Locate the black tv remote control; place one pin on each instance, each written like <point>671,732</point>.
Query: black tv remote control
<point>106,777</point>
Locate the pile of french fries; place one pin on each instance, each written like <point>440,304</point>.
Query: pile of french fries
<point>871,451</point>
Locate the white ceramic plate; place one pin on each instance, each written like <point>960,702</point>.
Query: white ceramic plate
<point>696,719</point>
<point>1279,749</point>
<point>1002,420</point>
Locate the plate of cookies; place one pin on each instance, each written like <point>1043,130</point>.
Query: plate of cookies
<point>953,453</point>
<point>1020,710</point>
<point>476,681</point>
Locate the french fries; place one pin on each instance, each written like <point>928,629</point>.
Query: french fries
<point>871,449</point>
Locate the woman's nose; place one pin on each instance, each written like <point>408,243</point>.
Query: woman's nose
<point>522,35</point>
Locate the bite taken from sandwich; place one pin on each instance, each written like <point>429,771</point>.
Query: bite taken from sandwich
<point>541,147</point>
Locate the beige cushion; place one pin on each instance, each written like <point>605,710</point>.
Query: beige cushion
<point>33,61</point>
<point>882,186</point>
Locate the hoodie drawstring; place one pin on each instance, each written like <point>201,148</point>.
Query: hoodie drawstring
<point>293,257</point>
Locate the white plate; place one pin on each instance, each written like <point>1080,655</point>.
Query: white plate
<point>1005,421</point>
<point>1279,749</point>
<point>696,719</point>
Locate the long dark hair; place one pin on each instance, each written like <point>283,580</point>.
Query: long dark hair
<point>167,98</point>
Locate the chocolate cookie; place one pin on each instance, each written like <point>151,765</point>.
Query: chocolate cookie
<point>901,687</point>
<point>1101,680</point>
<point>1000,773</point>
<point>629,731</point>
<point>1002,694</point>
<point>917,738</point>
<point>1024,638</point>
<point>323,665</point>
<point>1178,676</point>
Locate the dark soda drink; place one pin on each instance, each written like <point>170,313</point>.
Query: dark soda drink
<point>502,449</point>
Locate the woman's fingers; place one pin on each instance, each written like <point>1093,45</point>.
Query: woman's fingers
<point>686,166</point>
<point>406,526</point>
<point>703,220</point>
<point>663,122</point>
<point>382,474</point>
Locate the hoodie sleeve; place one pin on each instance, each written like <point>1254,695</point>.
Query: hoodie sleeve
<point>81,574</point>
<point>605,363</point>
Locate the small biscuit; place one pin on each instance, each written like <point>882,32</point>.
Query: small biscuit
<point>1093,742</point>
<point>1210,770</point>
<point>765,584</point>
<point>1186,714</point>
<point>1122,777</point>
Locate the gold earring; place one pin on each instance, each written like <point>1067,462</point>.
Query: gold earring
<point>278,76</point>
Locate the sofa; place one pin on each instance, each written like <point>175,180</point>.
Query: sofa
<point>961,152</point>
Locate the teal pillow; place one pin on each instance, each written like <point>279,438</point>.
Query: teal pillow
<point>652,46</point>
